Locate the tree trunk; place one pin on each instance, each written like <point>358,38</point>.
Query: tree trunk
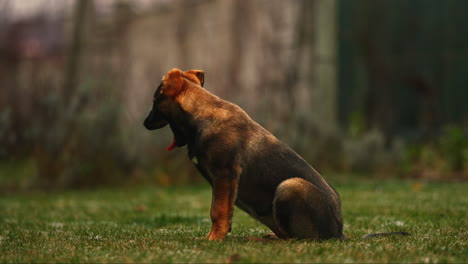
<point>325,81</point>
<point>76,48</point>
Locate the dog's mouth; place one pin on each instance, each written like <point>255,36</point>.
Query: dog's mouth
<point>173,144</point>
<point>178,140</point>
<point>156,120</point>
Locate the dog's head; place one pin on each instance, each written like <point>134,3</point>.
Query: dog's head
<point>173,84</point>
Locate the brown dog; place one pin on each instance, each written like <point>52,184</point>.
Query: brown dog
<point>244,163</point>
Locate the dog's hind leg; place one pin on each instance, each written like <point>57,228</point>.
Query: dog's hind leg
<point>302,210</point>
<point>271,223</point>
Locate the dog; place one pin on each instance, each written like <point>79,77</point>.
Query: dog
<point>244,163</point>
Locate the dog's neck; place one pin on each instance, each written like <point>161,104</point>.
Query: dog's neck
<point>189,116</point>
<point>191,103</point>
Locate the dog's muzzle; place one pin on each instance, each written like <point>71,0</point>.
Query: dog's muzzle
<point>154,121</point>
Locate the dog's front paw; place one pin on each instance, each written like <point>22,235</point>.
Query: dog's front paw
<point>271,236</point>
<point>214,236</point>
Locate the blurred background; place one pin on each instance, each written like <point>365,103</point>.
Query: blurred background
<point>360,88</point>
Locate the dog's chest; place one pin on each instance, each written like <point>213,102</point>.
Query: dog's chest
<point>195,160</point>
<point>199,164</point>
<point>247,197</point>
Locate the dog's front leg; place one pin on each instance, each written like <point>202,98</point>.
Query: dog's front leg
<point>222,206</point>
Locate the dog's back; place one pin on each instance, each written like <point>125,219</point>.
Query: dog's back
<point>265,163</point>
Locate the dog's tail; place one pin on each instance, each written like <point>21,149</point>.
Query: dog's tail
<point>385,234</point>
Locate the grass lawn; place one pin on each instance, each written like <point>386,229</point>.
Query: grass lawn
<point>151,224</point>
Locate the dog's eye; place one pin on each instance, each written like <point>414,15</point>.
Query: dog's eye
<point>158,93</point>
<point>159,89</point>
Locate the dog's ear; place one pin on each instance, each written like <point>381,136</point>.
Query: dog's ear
<point>173,82</point>
<point>199,76</point>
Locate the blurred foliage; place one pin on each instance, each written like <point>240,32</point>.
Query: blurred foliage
<point>444,158</point>
<point>17,175</point>
<point>357,125</point>
<point>81,145</point>
<point>72,111</point>
<point>367,150</point>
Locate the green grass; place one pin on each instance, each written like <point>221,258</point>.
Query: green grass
<point>152,224</point>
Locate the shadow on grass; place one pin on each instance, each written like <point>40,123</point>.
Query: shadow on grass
<point>164,220</point>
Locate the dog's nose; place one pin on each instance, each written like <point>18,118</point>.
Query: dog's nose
<point>147,124</point>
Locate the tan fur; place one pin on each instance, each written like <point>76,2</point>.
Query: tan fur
<point>245,164</point>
